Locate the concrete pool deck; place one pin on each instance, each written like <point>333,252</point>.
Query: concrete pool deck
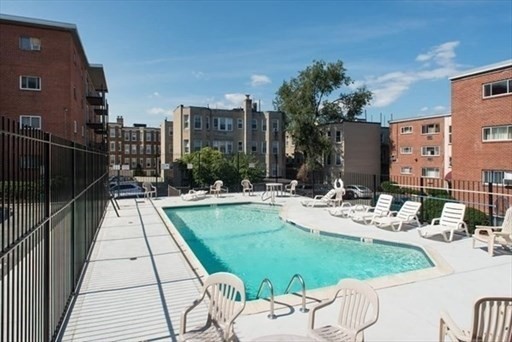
<point>138,282</point>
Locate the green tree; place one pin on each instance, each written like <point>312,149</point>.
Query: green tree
<point>305,101</point>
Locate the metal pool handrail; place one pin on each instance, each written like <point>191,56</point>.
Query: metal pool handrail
<point>267,281</point>
<point>303,285</point>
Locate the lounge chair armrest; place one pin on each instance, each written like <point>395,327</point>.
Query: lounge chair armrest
<point>492,228</point>
<point>502,234</point>
<point>479,231</point>
<point>435,220</point>
<point>318,197</point>
<point>312,312</point>
<point>185,312</point>
<point>448,326</point>
<point>392,213</point>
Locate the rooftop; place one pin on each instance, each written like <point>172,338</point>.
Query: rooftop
<point>138,281</point>
<point>484,69</point>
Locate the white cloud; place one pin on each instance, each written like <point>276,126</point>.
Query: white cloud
<point>438,64</point>
<point>424,109</point>
<point>198,74</point>
<point>156,94</point>
<point>159,111</point>
<point>259,80</point>
<point>439,109</point>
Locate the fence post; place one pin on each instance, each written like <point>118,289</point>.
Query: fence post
<point>47,227</point>
<point>422,210</point>
<point>374,189</point>
<point>490,206</point>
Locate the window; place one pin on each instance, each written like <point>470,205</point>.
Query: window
<point>30,43</point>
<point>263,125</point>
<point>112,160</point>
<point>263,147</point>
<point>254,146</point>
<point>186,122</point>
<point>207,122</point>
<point>406,170</point>
<point>406,150</point>
<point>126,149</point>
<point>254,124</point>
<point>148,136</point>
<point>498,133</point>
<point>148,149</point>
<point>498,88</point>
<point>197,145</point>
<point>450,134</point>
<point>134,136</point>
<point>240,146</point>
<point>112,132</point>
<point>275,147</point>
<point>119,147</point>
<point>223,124</point>
<point>186,145</point>
<point>240,123</point>
<point>126,136</point>
<point>31,121</point>
<point>338,159</point>
<point>275,125</point>
<point>430,172</point>
<point>328,159</point>
<point>30,82</point>
<point>430,150</point>
<point>198,122</point>
<point>134,149</point>
<point>406,130</point>
<point>223,146</point>
<point>112,146</point>
<point>494,176</point>
<point>338,136</point>
<point>430,129</point>
<point>134,163</point>
<point>148,162</point>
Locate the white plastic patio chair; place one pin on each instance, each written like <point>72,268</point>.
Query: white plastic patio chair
<point>226,302</point>
<point>451,220</point>
<point>217,188</point>
<point>369,214</point>
<point>407,214</point>
<point>247,187</point>
<point>359,310</point>
<point>495,235</point>
<point>290,188</point>
<point>149,190</point>
<point>194,195</point>
<point>492,322</point>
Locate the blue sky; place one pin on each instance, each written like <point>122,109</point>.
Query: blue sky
<point>160,54</point>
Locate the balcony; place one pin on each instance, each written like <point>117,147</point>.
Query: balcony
<point>95,99</point>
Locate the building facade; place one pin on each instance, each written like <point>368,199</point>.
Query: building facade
<point>47,82</point>
<point>239,130</point>
<point>135,149</point>
<point>421,147</point>
<point>482,123</point>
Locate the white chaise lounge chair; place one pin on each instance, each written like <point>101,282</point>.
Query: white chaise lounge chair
<point>226,302</point>
<point>334,197</point>
<point>369,214</point>
<point>407,214</point>
<point>359,310</point>
<point>290,188</point>
<point>451,220</point>
<point>217,188</point>
<point>247,187</point>
<point>492,322</point>
<point>500,235</point>
<point>194,195</point>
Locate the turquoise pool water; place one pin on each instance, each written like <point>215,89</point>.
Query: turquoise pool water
<point>251,241</point>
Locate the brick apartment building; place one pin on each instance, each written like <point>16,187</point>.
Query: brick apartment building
<point>137,148</point>
<point>244,130</point>
<point>482,123</point>
<point>47,82</point>
<point>421,147</point>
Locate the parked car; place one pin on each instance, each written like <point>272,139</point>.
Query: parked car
<point>358,191</point>
<point>127,190</point>
<point>112,184</point>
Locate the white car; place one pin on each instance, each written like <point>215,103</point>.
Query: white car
<point>126,190</point>
<point>358,191</point>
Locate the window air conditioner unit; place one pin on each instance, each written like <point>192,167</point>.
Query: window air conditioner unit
<point>507,179</point>
<point>429,137</point>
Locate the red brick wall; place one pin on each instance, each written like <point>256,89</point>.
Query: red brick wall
<point>61,67</point>
<point>470,113</point>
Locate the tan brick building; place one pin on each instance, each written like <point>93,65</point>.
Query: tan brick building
<point>137,148</point>
<point>47,82</point>
<point>244,130</point>
<point>482,123</point>
<point>420,147</point>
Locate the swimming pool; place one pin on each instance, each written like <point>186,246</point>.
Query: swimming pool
<point>251,241</point>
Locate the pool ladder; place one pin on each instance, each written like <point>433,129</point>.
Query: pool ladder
<point>267,282</point>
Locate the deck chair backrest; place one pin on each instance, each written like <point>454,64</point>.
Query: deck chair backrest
<point>452,214</point>
<point>492,320</point>
<point>408,209</point>
<point>359,304</point>
<point>329,195</point>
<point>246,184</point>
<point>293,184</point>
<point>383,204</point>
<point>227,297</point>
<point>218,184</point>
<point>507,222</point>
<point>147,186</point>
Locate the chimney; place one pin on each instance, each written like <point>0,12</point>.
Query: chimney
<point>120,120</point>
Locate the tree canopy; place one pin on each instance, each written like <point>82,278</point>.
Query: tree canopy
<point>305,100</point>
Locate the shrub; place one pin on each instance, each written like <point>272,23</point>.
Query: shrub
<point>474,217</point>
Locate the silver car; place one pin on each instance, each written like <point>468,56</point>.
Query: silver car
<point>358,191</point>
<point>127,190</point>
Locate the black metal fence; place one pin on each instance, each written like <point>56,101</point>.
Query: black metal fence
<point>52,201</point>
